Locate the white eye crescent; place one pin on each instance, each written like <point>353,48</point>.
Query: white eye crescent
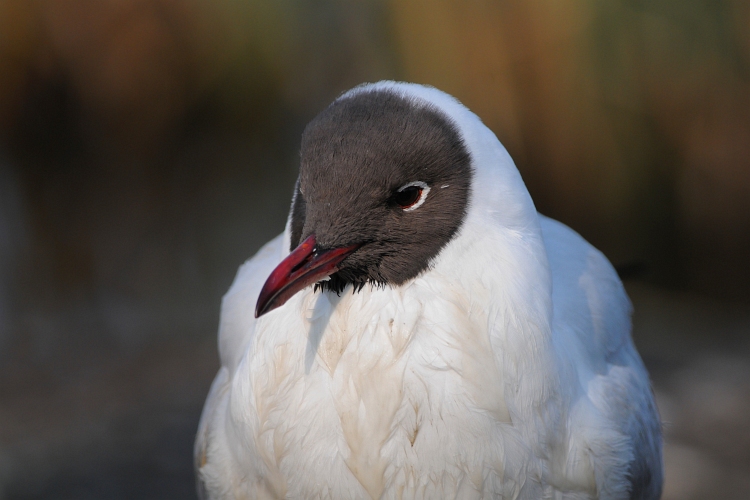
<point>411,196</point>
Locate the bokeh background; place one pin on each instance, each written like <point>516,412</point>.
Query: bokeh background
<point>148,147</point>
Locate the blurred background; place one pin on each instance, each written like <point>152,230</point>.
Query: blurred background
<point>149,147</point>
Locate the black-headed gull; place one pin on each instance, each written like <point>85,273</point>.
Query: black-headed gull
<point>420,331</point>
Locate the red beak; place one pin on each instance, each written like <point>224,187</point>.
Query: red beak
<point>304,266</point>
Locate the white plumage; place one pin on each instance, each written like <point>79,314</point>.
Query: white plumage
<point>506,370</point>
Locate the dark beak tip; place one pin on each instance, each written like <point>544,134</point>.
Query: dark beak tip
<point>261,309</point>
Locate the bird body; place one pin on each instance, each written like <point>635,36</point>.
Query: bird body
<point>503,369</point>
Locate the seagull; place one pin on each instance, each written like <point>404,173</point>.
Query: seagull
<point>419,330</point>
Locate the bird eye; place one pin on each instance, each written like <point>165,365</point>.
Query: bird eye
<point>411,196</point>
<point>408,196</point>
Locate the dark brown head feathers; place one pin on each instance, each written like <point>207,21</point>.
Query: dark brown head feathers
<point>355,157</point>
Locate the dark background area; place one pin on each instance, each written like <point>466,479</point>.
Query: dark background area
<point>149,147</point>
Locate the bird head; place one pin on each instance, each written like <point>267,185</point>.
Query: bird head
<point>384,184</point>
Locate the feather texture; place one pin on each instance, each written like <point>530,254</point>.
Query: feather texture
<point>506,370</point>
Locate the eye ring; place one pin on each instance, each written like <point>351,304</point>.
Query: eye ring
<point>412,195</point>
